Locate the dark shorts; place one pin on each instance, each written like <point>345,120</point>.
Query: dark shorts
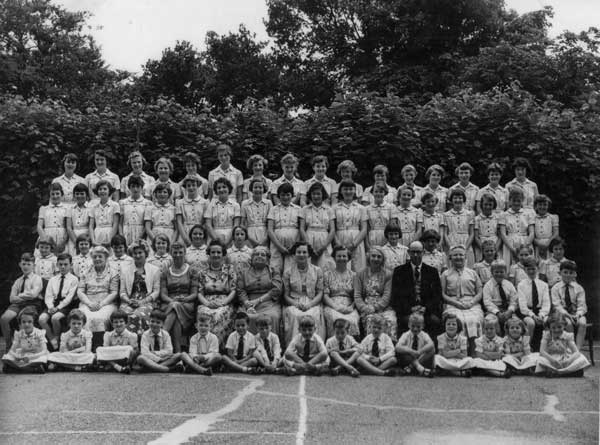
<point>38,305</point>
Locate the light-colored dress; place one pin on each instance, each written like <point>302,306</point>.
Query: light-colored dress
<point>286,220</point>
<point>499,193</point>
<point>517,273</point>
<point>465,285</point>
<point>80,218</point>
<point>161,261</point>
<point>390,198</point>
<point>484,270</point>
<point>348,221</point>
<point>255,214</point>
<point>68,184</point>
<point>132,214</point>
<point>359,191</point>
<point>530,190</point>
<point>375,289</point>
<point>433,222</point>
<point>162,217</point>
<point>328,184</point>
<point>441,193</point>
<point>147,190</point>
<point>137,320</point>
<point>117,347</point>
<point>485,344</point>
<point>561,349</point>
<point>175,189</point>
<point>543,226</point>
<point>551,269</point>
<point>234,176</point>
<point>448,344</point>
<point>295,182</point>
<point>254,283</point>
<point>222,215</point>
<point>91,179</point>
<point>82,264</point>
<point>487,228</point>
<point>180,284</point>
<point>470,190</point>
<point>517,226</point>
<point>68,342</point>
<point>196,257</point>
<point>215,285</point>
<point>96,286</point>
<point>408,219</point>
<point>239,258</point>
<point>457,226</point>
<point>103,216</point>
<point>512,346</point>
<point>31,346</point>
<point>202,188</point>
<point>340,288</point>
<point>302,286</point>
<point>192,212</point>
<point>55,222</point>
<point>394,256</point>
<point>380,215</point>
<point>417,192</point>
<point>247,181</point>
<point>317,221</point>
<point>436,259</point>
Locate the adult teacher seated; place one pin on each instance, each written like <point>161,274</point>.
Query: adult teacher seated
<point>259,289</point>
<point>416,287</point>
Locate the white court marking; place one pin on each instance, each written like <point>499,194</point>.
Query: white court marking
<point>303,411</point>
<point>18,433</point>
<point>128,413</point>
<point>202,422</point>
<point>550,408</point>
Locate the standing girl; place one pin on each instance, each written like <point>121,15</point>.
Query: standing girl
<point>380,214</point>
<point>516,226</point>
<point>223,213</point>
<point>257,165</point>
<point>68,180</point>
<point>160,216</point>
<point>254,214</point>
<point>82,261</point>
<point>161,256</point>
<point>432,219</point>
<point>164,169</point>
<point>78,217</point>
<point>196,255</point>
<point>104,215</point>
<point>380,176</point>
<point>52,219</point>
<point>410,218</point>
<point>500,194</point>
<point>545,226</point>
<point>239,253</point>
<point>317,226</point>
<point>289,165</point>
<point>522,168</point>
<point>409,173</point>
<point>458,223</point>
<point>102,173</point>
<point>351,222</point>
<point>227,171</point>
<point>190,209</point>
<point>486,225</point>
<point>192,168</point>
<point>320,164</point>
<point>136,161</point>
<point>434,175</point>
<point>464,172</point>
<point>283,222</point>
<point>346,170</point>
<point>133,208</point>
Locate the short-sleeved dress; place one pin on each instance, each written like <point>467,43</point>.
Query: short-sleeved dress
<point>180,284</point>
<point>239,257</point>
<point>175,190</point>
<point>82,264</point>
<point>447,344</point>
<point>91,179</point>
<point>286,220</point>
<point>215,285</point>
<point>339,287</point>
<point>530,190</point>
<point>408,219</point>
<point>441,193</point>
<point>96,286</point>
<point>470,190</point>
<point>55,222</point>
<point>435,258</point>
<point>196,256</point>
<point>68,184</point>
<point>222,215</point>
<point>499,193</point>
<point>515,346</point>
<point>161,261</point>
<point>103,216</point>
<point>246,185</point>
<point>464,284</point>
<point>394,256</point>
<point>349,218</point>
<point>70,341</point>
<point>162,217</point>
<point>433,221</point>
<point>487,228</point>
<point>148,185</point>
<point>191,211</point>
<point>31,346</point>
<point>255,214</point>
<point>380,215</point>
<point>132,214</point>
<point>254,283</point>
<point>457,226</point>
<point>484,270</point>
<point>375,289</point>
<point>543,226</point>
<point>560,349</point>
<point>517,226</point>
<point>317,221</point>
<point>234,176</point>
<point>80,220</point>
<point>390,198</point>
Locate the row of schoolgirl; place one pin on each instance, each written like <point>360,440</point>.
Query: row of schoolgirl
<point>414,353</point>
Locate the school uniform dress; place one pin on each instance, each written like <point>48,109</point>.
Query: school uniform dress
<point>163,262</point>
<point>575,304</point>
<point>348,220</point>
<point>136,286</point>
<point>156,347</point>
<point>192,212</point>
<point>303,286</point>
<point>328,184</point>
<point>96,286</point>
<point>82,264</point>
<point>499,193</point>
<point>297,344</point>
<point>435,259</point>
<point>231,173</point>
<point>255,214</point>
<point>132,214</point>
<point>484,270</point>
<point>147,189</point>
<point>222,216</point>
<point>317,221</point>
<point>252,284</point>
<point>91,179</point>
<point>117,347</point>
<point>408,219</point>
<point>499,297</point>
<point>296,183</point>
<point>204,345</point>
<point>380,215</point>
<point>162,217</point>
<point>239,257</point>
<point>175,189</point>
<point>517,226</point>
<point>415,342</point>
<point>487,229</point>
<point>458,225</point>
<point>417,191</point>
<point>103,216</point>
<point>375,289</point>
<point>286,220</point>
<point>530,190</point>
<point>70,341</point>
<point>269,349</point>
<point>68,184</point>
<point>120,263</point>
<point>543,227</point>
<point>60,291</point>
<point>384,344</point>
<point>247,181</point>
<point>390,197</point>
<point>359,191</point>
<point>433,221</point>
<point>470,190</point>
<point>196,256</point>
<point>55,222</point>
<point>551,269</point>
<point>394,256</point>
<point>31,346</point>
<point>202,188</point>
<point>446,345</point>
<point>561,349</point>
<point>542,304</point>
<point>46,268</point>
<point>441,193</point>
<point>215,285</point>
<point>241,348</point>
<point>512,346</point>
<point>339,287</point>
<point>464,284</point>
<point>485,344</point>
<point>80,219</point>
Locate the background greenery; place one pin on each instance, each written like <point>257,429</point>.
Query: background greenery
<point>385,81</point>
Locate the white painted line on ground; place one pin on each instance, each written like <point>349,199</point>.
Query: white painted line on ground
<point>550,408</point>
<point>17,433</point>
<point>267,433</point>
<point>208,379</point>
<point>128,413</point>
<point>202,422</point>
<point>303,411</point>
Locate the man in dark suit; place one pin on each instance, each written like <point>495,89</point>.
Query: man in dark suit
<point>416,287</point>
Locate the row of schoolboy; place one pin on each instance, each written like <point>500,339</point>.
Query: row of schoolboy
<point>414,353</point>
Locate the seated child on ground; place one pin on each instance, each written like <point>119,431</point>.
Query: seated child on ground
<point>489,350</point>
<point>517,352</point>
<point>204,349</point>
<point>343,349</point>
<point>120,345</point>
<point>415,349</point>
<point>75,351</point>
<point>28,352</point>
<point>378,353</point>
<point>156,353</point>
<point>240,347</point>
<point>452,357</point>
<point>306,353</point>
<point>268,348</point>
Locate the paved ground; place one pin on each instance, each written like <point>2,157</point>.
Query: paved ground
<point>93,408</point>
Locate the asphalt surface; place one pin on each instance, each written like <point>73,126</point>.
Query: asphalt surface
<point>100,408</point>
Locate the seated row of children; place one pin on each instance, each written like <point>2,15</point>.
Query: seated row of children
<point>414,353</point>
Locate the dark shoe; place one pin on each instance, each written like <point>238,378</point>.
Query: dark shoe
<point>208,371</point>
<point>125,370</point>
<point>507,373</point>
<point>389,373</point>
<point>334,372</point>
<point>178,368</point>
<point>466,373</point>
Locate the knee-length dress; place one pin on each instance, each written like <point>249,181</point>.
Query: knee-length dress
<point>192,212</point>
<point>349,218</point>
<point>80,220</point>
<point>253,283</point>
<point>517,227</point>
<point>215,285</point>
<point>137,318</point>
<point>339,287</point>
<point>255,214</point>
<point>286,220</point>
<point>457,225</point>
<point>487,228</point>
<point>97,286</point>
<point>380,215</point>
<point>103,216</point>
<point>162,217</point>
<point>55,222</point>
<point>464,285</point>
<point>543,227</point>
<point>408,219</point>
<point>561,349</point>
<point>179,285</point>
<point>132,214</point>
<point>317,221</point>
<point>222,215</point>
<point>302,287</point>
<point>375,289</point>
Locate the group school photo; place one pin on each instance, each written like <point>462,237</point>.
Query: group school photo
<point>345,227</point>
